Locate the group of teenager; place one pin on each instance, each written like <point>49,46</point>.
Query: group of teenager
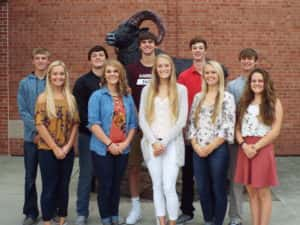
<point>124,116</point>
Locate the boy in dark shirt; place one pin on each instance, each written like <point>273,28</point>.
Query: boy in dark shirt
<point>82,91</point>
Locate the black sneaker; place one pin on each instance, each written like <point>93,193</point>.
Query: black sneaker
<point>184,218</point>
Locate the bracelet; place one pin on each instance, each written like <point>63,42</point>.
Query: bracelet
<point>109,144</point>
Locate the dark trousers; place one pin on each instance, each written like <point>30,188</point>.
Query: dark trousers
<point>210,173</point>
<point>109,170</point>
<point>56,176</point>
<point>30,207</point>
<point>187,192</point>
<point>85,175</point>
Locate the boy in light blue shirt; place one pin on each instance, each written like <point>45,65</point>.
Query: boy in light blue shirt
<point>29,89</point>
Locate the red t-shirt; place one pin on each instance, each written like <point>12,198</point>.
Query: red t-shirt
<point>192,80</point>
<point>117,131</point>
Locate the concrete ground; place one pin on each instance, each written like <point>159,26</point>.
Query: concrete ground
<point>286,197</point>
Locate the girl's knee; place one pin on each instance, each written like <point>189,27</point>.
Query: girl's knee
<point>264,193</point>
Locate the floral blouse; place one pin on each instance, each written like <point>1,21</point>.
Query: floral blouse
<point>251,125</point>
<point>59,128</point>
<point>206,131</point>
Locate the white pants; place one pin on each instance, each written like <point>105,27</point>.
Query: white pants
<point>164,171</point>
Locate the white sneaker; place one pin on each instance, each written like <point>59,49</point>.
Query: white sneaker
<point>134,215</point>
<point>80,220</point>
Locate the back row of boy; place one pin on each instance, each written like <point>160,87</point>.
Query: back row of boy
<point>139,74</point>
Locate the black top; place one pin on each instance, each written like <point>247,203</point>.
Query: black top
<point>83,89</point>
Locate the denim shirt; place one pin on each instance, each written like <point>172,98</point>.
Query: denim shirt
<point>29,89</point>
<point>100,112</point>
<point>236,88</point>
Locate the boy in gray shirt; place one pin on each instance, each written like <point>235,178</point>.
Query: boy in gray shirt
<point>248,59</point>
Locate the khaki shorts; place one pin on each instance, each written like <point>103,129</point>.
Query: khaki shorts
<point>135,154</point>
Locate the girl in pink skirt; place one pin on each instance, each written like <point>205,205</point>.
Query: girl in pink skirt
<point>259,121</point>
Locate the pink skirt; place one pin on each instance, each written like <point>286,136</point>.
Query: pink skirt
<point>259,171</point>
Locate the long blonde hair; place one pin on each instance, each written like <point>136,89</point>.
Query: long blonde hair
<point>49,95</point>
<point>220,95</point>
<point>154,87</point>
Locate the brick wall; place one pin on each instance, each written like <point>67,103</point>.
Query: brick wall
<point>4,99</point>
<point>70,28</point>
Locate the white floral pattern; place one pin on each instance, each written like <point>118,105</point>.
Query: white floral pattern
<point>251,125</point>
<point>206,131</point>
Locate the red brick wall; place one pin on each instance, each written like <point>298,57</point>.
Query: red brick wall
<point>4,100</point>
<point>70,28</point>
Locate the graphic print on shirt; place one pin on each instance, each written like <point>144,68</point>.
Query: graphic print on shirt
<point>143,79</point>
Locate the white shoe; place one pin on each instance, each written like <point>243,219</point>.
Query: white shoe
<point>134,216</point>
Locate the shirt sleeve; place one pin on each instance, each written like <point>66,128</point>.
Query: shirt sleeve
<point>144,125</point>
<point>192,130</point>
<point>24,112</point>
<point>40,113</point>
<point>227,125</point>
<point>76,118</point>
<point>182,115</point>
<point>79,93</point>
<point>180,79</point>
<point>94,110</point>
<point>133,114</point>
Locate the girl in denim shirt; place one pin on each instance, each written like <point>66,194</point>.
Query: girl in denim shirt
<point>112,121</point>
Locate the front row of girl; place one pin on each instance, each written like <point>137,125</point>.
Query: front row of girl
<point>162,116</point>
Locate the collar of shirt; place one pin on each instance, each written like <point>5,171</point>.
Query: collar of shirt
<point>194,71</point>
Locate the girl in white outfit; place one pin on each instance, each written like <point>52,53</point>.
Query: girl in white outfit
<point>162,116</point>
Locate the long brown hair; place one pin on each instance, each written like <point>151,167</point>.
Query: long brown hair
<point>122,86</point>
<point>267,106</point>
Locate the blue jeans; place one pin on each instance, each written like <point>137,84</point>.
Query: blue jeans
<point>56,176</point>
<point>109,170</point>
<point>30,207</point>
<point>85,175</point>
<point>210,173</point>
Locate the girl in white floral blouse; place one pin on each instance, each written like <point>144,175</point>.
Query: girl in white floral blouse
<point>211,126</point>
<point>259,122</point>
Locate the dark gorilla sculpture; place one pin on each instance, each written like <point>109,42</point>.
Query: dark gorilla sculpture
<point>125,39</point>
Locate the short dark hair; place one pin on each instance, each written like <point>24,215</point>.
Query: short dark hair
<point>97,48</point>
<point>147,35</point>
<point>198,39</point>
<point>248,53</point>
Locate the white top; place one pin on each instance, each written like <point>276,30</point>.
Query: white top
<point>251,125</point>
<point>162,123</point>
<point>172,131</point>
<point>206,130</point>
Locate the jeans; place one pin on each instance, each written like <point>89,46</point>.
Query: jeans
<point>85,175</point>
<point>187,192</point>
<point>56,176</point>
<point>164,170</point>
<point>109,170</point>
<point>30,207</point>
<point>210,173</point>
